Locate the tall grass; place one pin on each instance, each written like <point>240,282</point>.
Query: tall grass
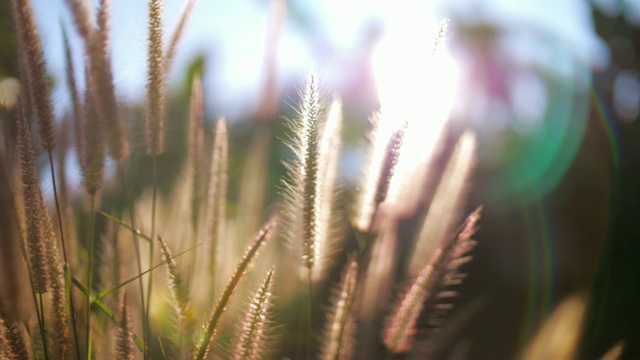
<point>80,293</point>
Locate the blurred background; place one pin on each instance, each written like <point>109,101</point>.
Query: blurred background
<point>552,90</point>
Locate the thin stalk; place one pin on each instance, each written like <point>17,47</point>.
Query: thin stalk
<point>136,247</point>
<point>59,213</point>
<point>43,330</point>
<point>90,272</point>
<point>154,178</point>
<point>64,254</point>
<point>309,312</point>
<point>39,315</point>
<point>74,319</point>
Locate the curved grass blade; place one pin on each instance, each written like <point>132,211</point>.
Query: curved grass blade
<point>127,226</point>
<point>109,291</point>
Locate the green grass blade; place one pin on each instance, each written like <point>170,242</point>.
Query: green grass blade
<point>105,310</point>
<point>125,225</point>
<point>109,291</point>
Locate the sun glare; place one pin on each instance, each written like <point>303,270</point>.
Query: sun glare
<point>416,79</point>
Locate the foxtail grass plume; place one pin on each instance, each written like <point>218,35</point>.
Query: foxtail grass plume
<point>447,202</point>
<point>117,139</point>
<point>33,205</point>
<point>64,142</point>
<point>61,339</point>
<point>217,201</point>
<point>170,52</point>
<point>12,345</point>
<point>339,335</point>
<point>195,150</point>
<point>252,342</point>
<point>96,44</point>
<point>73,92</point>
<point>328,170</point>
<point>154,114</point>
<point>387,144</point>
<point>25,86</point>
<point>203,345</point>
<point>82,17</point>
<point>429,287</point>
<point>35,70</point>
<point>303,194</point>
<point>217,205</point>
<point>124,340</point>
<point>178,293</point>
<point>92,150</point>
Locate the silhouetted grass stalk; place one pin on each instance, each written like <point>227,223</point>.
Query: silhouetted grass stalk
<point>338,339</point>
<point>154,120</point>
<point>427,288</point>
<point>251,342</point>
<point>33,214</point>
<point>202,347</point>
<point>136,246</point>
<point>217,201</point>
<point>195,155</point>
<point>92,229</point>
<point>303,194</point>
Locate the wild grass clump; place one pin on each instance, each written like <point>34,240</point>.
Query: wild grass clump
<point>91,281</point>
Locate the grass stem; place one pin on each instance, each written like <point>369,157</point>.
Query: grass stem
<point>309,312</point>
<point>90,272</point>
<point>43,326</point>
<point>154,179</point>
<point>136,247</point>
<point>64,255</point>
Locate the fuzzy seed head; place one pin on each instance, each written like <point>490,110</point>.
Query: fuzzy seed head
<point>310,182</point>
<point>384,158</point>
<point>428,287</point>
<point>400,326</point>
<point>101,69</point>
<point>62,345</point>
<point>178,294</point>
<point>177,34</point>
<point>36,71</point>
<point>11,340</point>
<point>218,190</point>
<point>338,340</point>
<point>33,204</point>
<point>329,159</point>
<point>124,340</point>
<point>92,152</point>
<point>195,150</point>
<point>154,115</point>
<point>82,17</point>
<point>303,194</point>
<point>209,330</point>
<point>251,342</point>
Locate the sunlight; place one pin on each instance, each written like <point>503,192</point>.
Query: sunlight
<point>417,81</point>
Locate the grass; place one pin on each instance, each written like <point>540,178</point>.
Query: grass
<point>330,266</point>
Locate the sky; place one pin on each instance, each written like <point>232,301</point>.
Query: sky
<point>323,35</point>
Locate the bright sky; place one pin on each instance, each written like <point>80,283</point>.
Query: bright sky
<point>320,34</point>
<point>231,34</point>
